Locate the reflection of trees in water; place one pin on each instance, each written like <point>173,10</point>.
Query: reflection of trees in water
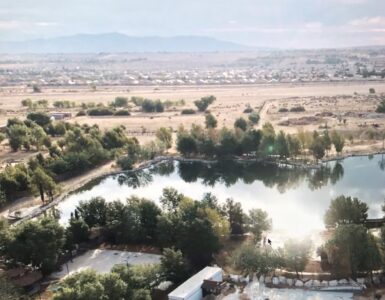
<point>381,163</point>
<point>283,178</point>
<point>164,168</point>
<point>135,179</point>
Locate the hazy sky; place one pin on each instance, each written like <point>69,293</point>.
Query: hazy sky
<point>269,23</point>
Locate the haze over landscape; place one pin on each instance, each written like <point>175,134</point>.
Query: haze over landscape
<point>256,23</point>
<point>192,150</point>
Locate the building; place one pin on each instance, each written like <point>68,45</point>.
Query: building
<point>191,289</point>
<point>61,115</point>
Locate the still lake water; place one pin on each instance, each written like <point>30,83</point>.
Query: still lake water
<point>295,199</point>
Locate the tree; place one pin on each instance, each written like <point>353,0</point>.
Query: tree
<point>38,243</point>
<point>164,135</point>
<point>235,216</point>
<point>250,141</point>
<point>36,88</point>
<point>171,199</point>
<point>281,145</point>
<point>93,212</point>
<point>345,210</point>
<point>251,259</point>
<point>241,124</point>
<point>210,121</point>
<point>43,183</point>
<point>186,144</point>
<point>372,91</point>
<point>254,118</point>
<point>40,118</point>
<point>268,139</point>
<point>381,106</point>
<point>317,147</point>
<point>327,140</point>
<point>120,101</point>
<point>114,138</point>
<point>173,266</point>
<point>77,231</point>
<point>258,221</point>
<point>351,250</point>
<point>38,137</point>
<point>26,102</point>
<point>204,102</point>
<point>338,141</point>
<point>18,135</point>
<point>297,254</point>
<point>294,145</point>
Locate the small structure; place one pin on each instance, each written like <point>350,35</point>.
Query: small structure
<point>61,115</point>
<point>191,289</point>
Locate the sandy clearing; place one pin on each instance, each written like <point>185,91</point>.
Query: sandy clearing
<point>102,261</point>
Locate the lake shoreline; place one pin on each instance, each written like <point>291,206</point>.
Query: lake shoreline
<point>88,178</point>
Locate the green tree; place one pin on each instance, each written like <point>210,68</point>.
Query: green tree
<point>317,147</point>
<point>258,221</point>
<point>173,266</point>
<point>120,101</point>
<point>43,183</point>
<point>338,141</point>
<point>381,106</point>
<point>40,118</point>
<point>268,139</point>
<point>235,216</point>
<point>297,254</point>
<point>186,144</point>
<point>345,210</point>
<point>241,124</point>
<point>18,135</point>
<point>204,102</point>
<point>210,121</point>
<point>254,118</point>
<point>38,243</point>
<point>164,135</point>
<point>251,259</point>
<point>93,212</point>
<point>281,145</point>
<point>351,250</point>
<point>171,199</point>
<point>77,231</point>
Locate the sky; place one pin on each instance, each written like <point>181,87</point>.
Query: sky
<point>260,23</point>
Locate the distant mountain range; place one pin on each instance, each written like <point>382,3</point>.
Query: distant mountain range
<point>117,42</point>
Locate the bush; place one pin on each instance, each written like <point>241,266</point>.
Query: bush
<point>100,111</point>
<point>188,111</point>
<point>254,118</point>
<point>81,113</point>
<point>120,102</point>
<point>248,110</point>
<point>381,107</point>
<point>122,112</point>
<point>152,106</point>
<point>297,109</point>
<point>372,91</point>
<point>283,110</point>
<point>204,102</point>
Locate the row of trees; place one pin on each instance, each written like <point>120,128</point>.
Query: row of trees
<point>194,227</point>
<point>243,139</point>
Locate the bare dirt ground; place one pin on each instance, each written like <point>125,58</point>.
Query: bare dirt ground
<point>324,103</point>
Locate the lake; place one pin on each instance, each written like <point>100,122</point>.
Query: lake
<point>296,199</point>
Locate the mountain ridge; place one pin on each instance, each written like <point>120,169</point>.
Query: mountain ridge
<point>120,43</point>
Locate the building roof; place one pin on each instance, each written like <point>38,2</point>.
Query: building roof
<point>193,283</point>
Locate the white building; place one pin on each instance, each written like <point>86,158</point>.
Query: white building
<point>191,289</point>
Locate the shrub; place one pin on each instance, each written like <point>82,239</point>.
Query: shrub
<point>120,102</point>
<point>254,118</point>
<point>297,109</point>
<point>188,111</point>
<point>122,112</point>
<point>100,111</point>
<point>372,91</point>
<point>248,110</point>
<point>283,110</point>
<point>204,102</point>
<point>81,113</point>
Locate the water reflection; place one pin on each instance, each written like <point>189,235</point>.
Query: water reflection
<point>229,173</point>
<point>296,199</point>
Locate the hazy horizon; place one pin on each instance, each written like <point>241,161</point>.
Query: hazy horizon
<point>277,24</point>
